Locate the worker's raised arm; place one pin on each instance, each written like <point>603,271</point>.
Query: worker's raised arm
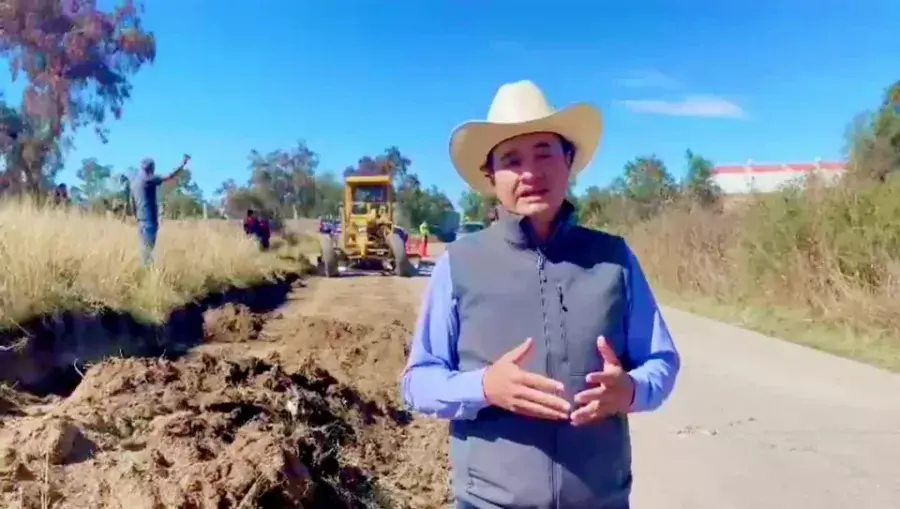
<point>432,383</point>
<point>178,170</point>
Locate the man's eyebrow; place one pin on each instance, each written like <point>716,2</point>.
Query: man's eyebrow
<point>542,144</point>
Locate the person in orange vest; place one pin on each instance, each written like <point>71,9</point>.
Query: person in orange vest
<point>423,231</point>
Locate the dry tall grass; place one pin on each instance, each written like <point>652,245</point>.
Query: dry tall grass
<point>815,257</point>
<point>56,259</point>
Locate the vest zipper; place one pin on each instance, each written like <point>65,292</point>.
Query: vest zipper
<point>562,324</point>
<point>548,365</point>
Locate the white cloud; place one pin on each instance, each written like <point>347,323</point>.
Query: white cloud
<point>690,106</point>
<point>648,78</point>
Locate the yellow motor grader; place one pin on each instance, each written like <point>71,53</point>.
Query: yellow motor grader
<point>367,238</point>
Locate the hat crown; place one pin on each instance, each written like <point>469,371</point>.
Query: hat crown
<point>517,102</point>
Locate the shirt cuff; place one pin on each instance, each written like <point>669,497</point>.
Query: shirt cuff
<point>642,389</point>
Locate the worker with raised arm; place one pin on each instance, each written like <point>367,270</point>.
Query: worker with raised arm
<point>537,337</point>
<point>144,190</point>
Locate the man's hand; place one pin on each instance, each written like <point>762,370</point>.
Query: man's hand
<point>612,391</point>
<point>507,385</point>
<point>176,171</point>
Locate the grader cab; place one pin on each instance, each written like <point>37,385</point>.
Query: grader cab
<point>368,239</point>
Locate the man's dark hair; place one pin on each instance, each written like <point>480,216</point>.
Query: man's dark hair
<point>249,212</point>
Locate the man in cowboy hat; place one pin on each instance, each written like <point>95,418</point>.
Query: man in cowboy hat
<point>536,336</point>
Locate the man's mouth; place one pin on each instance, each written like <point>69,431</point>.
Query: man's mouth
<point>533,193</point>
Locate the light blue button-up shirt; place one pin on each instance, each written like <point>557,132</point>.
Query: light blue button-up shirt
<point>433,384</point>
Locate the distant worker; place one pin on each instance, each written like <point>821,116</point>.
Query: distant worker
<point>144,186</point>
<point>264,233</point>
<point>258,228</point>
<point>126,198</point>
<point>423,231</point>
<point>61,195</point>
<point>250,223</point>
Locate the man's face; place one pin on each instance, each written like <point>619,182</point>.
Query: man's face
<point>531,174</point>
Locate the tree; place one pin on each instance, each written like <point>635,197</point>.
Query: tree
<point>873,143</point>
<point>285,179</point>
<point>605,208</point>
<point>33,157</point>
<point>699,186</point>
<point>182,198</point>
<point>647,183</point>
<point>77,59</point>
<point>95,181</point>
<point>329,195</point>
<point>476,207</point>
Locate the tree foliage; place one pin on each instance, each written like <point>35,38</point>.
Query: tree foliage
<point>874,139</point>
<point>476,207</point>
<point>699,186</point>
<point>95,181</point>
<point>647,183</point>
<point>76,59</point>
<point>283,183</point>
<point>645,189</point>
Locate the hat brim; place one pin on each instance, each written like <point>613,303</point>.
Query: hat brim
<point>470,143</point>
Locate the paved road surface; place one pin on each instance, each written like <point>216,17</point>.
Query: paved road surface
<point>759,423</point>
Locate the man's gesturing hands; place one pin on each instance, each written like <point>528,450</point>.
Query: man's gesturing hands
<point>508,386</point>
<point>612,393</point>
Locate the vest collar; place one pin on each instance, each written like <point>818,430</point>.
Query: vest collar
<point>517,230</point>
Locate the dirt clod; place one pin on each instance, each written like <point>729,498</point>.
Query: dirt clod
<point>231,323</point>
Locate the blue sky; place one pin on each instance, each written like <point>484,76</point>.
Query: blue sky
<point>768,80</point>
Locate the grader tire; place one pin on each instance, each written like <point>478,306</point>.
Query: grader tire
<point>329,256</point>
<point>402,266</point>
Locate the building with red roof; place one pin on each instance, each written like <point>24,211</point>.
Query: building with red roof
<point>766,178</point>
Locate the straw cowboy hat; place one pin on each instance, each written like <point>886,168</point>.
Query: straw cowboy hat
<point>521,108</point>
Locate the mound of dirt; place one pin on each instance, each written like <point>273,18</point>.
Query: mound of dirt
<point>370,357</point>
<point>203,433</point>
<point>231,323</point>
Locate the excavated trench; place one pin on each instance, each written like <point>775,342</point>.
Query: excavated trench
<point>50,354</point>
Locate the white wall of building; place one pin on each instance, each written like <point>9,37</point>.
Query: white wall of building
<point>752,178</point>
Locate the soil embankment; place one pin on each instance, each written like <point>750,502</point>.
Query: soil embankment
<point>49,354</point>
<point>287,408</point>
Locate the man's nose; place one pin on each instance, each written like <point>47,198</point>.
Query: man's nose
<point>530,176</point>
